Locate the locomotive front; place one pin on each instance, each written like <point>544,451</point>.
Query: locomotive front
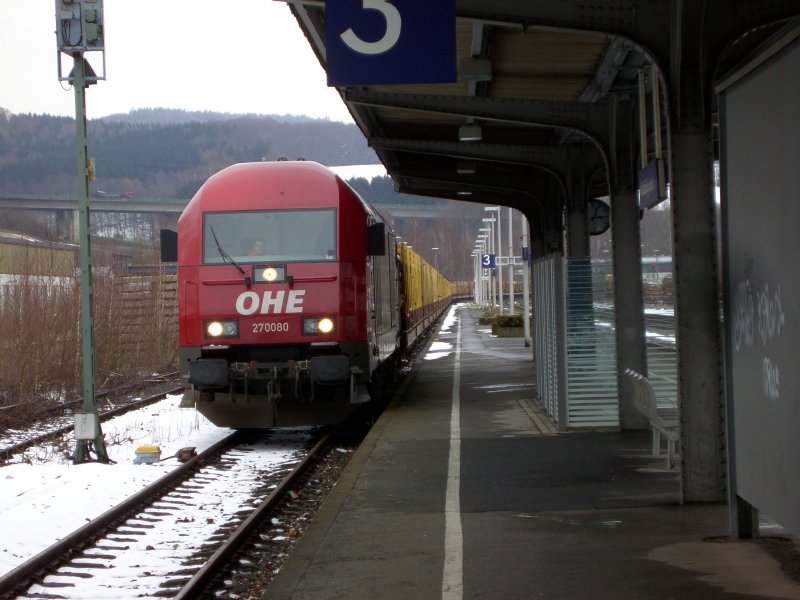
<point>274,281</point>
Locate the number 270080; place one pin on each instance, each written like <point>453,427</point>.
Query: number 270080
<point>270,327</point>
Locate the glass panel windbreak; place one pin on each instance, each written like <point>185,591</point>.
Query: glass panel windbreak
<point>269,235</point>
<point>659,313</point>
<point>591,347</point>
<point>545,303</point>
<point>662,360</point>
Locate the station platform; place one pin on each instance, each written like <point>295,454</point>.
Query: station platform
<point>468,491</point>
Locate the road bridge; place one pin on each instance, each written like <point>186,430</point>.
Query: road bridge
<point>127,205</point>
<point>67,207</point>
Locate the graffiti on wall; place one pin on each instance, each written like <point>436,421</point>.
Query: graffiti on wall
<point>758,320</point>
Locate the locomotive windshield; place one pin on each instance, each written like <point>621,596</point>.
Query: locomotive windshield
<point>273,235</point>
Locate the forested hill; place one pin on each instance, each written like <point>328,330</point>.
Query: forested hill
<point>162,116</point>
<point>160,152</point>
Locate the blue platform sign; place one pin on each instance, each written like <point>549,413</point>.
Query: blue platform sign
<point>488,261</point>
<point>371,42</point>
<point>651,184</point>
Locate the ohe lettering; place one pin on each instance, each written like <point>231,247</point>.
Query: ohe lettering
<point>270,302</point>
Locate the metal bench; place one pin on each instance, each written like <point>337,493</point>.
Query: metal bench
<point>662,422</point>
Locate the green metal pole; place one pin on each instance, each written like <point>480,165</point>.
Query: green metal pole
<point>82,447</point>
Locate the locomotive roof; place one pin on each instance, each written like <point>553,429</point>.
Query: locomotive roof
<point>244,177</point>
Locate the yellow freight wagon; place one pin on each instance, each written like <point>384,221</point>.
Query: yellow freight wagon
<point>426,292</point>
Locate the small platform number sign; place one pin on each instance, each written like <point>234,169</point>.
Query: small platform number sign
<point>488,261</point>
<point>390,41</point>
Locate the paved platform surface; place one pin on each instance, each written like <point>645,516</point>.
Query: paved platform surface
<point>464,489</point>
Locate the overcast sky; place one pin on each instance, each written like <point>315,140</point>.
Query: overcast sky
<point>237,56</point>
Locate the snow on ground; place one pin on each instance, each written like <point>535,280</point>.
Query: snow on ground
<point>49,497</point>
<point>439,349</point>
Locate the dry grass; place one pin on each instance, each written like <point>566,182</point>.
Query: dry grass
<point>41,364</point>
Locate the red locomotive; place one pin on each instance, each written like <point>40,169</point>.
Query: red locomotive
<point>289,296</point>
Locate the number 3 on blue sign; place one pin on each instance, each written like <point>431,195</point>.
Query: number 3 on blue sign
<point>390,37</point>
<point>487,261</point>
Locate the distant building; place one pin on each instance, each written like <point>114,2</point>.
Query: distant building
<point>21,254</point>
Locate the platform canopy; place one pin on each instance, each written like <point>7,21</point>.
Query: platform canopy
<point>534,82</point>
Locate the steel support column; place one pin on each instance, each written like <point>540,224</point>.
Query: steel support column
<point>697,319</point>
<point>629,302</point>
<point>82,446</point>
<point>695,264</point>
<point>577,225</point>
<point>627,258</point>
<point>67,225</point>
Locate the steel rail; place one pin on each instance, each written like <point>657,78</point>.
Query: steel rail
<point>212,566</point>
<point>105,393</point>
<point>26,572</point>
<point>8,451</point>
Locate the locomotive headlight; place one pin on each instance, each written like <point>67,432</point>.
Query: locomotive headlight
<point>222,328</point>
<point>325,325</point>
<point>319,325</point>
<point>269,273</point>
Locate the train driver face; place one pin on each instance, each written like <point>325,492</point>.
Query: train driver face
<point>257,248</point>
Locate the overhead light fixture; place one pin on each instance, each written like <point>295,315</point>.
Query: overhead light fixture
<point>475,69</point>
<point>464,193</point>
<point>466,167</point>
<point>470,132</point>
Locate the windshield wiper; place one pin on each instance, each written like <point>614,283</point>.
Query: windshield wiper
<point>225,256</point>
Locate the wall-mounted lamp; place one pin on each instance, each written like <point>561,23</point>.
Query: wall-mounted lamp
<point>469,132</point>
<point>475,69</point>
<point>466,167</point>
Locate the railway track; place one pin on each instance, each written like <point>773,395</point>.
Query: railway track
<point>170,539</point>
<point>247,561</point>
<point>57,427</point>
<point>122,554</point>
<point>658,324</point>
